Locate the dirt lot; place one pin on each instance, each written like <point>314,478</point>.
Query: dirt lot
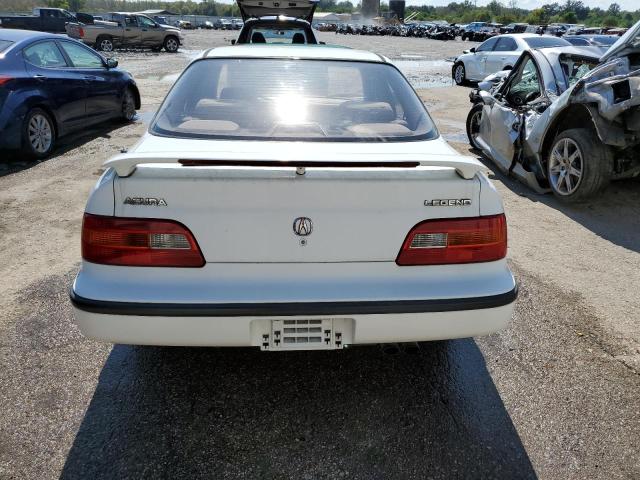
<point>554,396</point>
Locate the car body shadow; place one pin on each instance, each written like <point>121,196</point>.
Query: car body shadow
<point>14,161</point>
<point>613,215</point>
<point>239,413</point>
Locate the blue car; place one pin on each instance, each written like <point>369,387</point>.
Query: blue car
<point>51,85</point>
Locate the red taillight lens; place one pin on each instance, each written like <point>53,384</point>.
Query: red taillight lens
<point>81,32</point>
<point>5,79</point>
<point>140,242</point>
<point>457,240</point>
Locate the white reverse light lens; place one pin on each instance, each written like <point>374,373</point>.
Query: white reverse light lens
<point>429,240</point>
<point>168,241</point>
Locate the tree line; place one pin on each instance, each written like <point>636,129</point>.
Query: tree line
<point>571,11</point>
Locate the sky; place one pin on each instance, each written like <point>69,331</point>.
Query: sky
<point>630,5</point>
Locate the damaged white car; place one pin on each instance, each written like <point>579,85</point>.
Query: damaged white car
<point>563,120</point>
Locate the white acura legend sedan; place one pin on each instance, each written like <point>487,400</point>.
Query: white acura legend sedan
<point>292,197</point>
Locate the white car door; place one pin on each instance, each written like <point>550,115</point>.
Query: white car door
<point>476,67</point>
<point>504,54</point>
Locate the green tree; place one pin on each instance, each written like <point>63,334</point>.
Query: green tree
<point>58,4</point>
<point>538,17</point>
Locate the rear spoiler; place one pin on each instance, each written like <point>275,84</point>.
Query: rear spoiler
<point>126,163</point>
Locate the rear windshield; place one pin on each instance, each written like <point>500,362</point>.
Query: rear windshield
<point>546,42</point>
<point>278,35</point>
<point>287,99</point>
<point>4,44</point>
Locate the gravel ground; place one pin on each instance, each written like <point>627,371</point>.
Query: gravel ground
<point>553,396</point>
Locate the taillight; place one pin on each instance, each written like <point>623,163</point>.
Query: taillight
<point>5,79</point>
<point>140,242</point>
<point>81,32</point>
<point>456,240</point>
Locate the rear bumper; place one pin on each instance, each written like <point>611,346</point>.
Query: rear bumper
<point>234,304</point>
<point>244,331</point>
<point>292,309</point>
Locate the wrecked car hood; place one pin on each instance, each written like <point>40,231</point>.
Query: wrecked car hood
<point>628,43</point>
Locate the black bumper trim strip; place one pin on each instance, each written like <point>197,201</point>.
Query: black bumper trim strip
<point>291,309</point>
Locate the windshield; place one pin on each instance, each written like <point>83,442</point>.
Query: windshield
<point>546,42</point>
<point>277,35</point>
<point>287,99</point>
<point>4,44</point>
<point>574,68</point>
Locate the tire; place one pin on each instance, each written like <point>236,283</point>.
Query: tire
<point>578,165</point>
<point>473,125</point>
<point>128,111</point>
<point>171,44</point>
<point>38,134</point>
<point>104,43</point>
<point>459,74</point>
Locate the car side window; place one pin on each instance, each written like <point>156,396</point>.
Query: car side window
<point>578,42</point>
<point>82,57</point>
<point>145,22</point>
<point>506,44</point>
<point>488,45</point>
<point>526,85</point>
<point>130,21</point>
<point>45,55</point>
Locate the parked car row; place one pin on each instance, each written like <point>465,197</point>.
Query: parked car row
<point>564,119</point>
<point>439,31</point>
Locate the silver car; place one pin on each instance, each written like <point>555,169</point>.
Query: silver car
<point>563,120</point>
<point>498,53</point>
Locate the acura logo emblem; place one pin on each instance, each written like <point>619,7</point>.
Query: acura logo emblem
<point>302,226</point>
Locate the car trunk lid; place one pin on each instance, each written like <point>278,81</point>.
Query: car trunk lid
<point>261,8</point>
<point>248,207</point>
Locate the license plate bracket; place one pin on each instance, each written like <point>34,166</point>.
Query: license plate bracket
<point>307,334</point>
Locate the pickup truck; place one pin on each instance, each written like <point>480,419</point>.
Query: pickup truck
<point>126,30</point>
<point>51,20</point>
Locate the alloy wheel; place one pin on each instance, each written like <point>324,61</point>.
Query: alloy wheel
<point>128,105</point>
<point>106,45</point>
<point>475,128</point>
<point>171,45</point>
<point>566,164</point>
<point>459,74</point>
<point>40,133</point>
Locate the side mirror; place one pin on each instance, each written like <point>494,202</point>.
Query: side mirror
<point>323,43</point>
<point>112,63</point>
<point>473,50</point>
<point>233,42</point>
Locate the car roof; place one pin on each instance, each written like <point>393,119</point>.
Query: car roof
<point>20,35</point>
<point>307,52</point>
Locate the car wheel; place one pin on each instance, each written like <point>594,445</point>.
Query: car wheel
<point>104,44</point>
<point>171,44</point>
<point>473,125</point>
<point>128,105</point>
<point>459,74</point>
<point>38,137</point>
<point>579,165</point>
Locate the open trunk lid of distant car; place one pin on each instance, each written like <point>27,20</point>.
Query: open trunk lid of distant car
<point>303,9</point>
